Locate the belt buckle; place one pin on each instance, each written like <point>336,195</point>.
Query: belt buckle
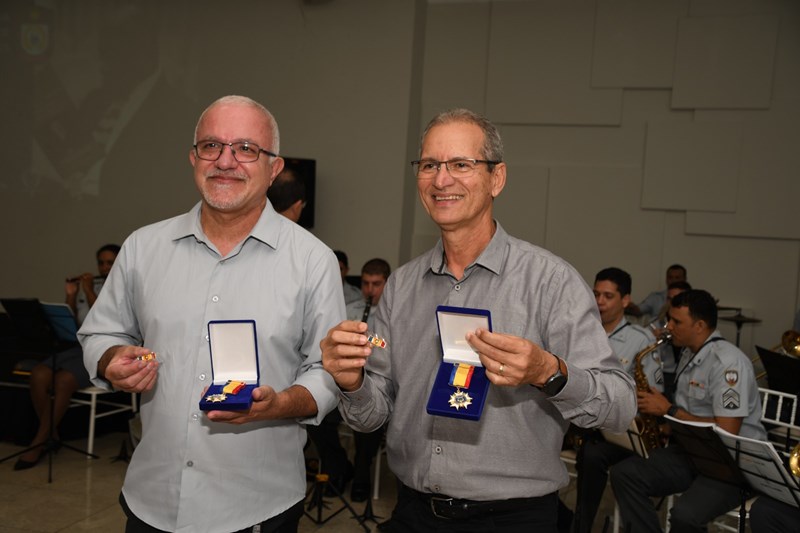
<point>438,499</point>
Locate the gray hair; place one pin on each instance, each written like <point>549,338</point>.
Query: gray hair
<point>234,99</point>
<point>492,144</point>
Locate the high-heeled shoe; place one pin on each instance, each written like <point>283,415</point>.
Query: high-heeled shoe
<point>22,464</point>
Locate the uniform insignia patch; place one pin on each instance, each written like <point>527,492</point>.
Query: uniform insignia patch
<point>732,377</point>
<point>730,399</point>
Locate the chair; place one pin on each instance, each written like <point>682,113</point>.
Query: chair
<point>93,402</point>
<point>376,482</point>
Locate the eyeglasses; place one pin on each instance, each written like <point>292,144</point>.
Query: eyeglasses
<point>243,152</point>
<point>458,168</point>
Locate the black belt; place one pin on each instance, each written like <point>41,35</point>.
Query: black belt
<point>456,509</point>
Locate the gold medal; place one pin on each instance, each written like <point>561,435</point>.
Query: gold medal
<point>460,399</point>
<point>216,398</point>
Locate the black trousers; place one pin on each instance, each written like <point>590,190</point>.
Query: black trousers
<point>413,514</point>
<point>286,522</point>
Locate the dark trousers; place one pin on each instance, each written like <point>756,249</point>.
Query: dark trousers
<point>286,522</point>
<point>668,471</point>
<point>333,456</point>
<point>367,445</point>
<point>594,459</point>
<point>771,516</point>
<point>413,514</point>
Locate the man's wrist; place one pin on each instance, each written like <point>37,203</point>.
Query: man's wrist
<point>672,410</point>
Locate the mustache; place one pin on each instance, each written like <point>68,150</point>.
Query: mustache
<point>216,173</point>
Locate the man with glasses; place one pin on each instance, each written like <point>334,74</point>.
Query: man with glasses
<point>548,358</point>
<point>232,257</point>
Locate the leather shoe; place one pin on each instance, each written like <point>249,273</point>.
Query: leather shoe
<point>359,492</point>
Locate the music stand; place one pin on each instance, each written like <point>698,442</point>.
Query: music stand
<point>782,370</point>
<point>739,319</point>
<point>746,463</point>
<point>29,314</point>
<point>316,493</point>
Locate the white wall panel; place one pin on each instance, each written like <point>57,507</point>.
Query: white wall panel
<point>769,188</point>
<point>594,222</point>
<point>725,62</point>
<point>692,166</point>
<point>540,65</point>
<point>634,42</point>
<point>522,206</point>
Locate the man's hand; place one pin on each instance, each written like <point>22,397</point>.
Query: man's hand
<point>652,402</point>
<point>511,360</point>
<point>120,367</point>
<point>292,403</point>
<point>344,354</point>
<point>264,399</point>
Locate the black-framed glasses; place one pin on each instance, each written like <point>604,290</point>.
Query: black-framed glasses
<point>458,168</point>
<point>243,151</point>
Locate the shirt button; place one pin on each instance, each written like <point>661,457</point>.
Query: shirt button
<point>437,489</point>
<point>202,377</point>
<point>207,337</point>
<point>195,416</point>
<point>215,299</point>
<point>190,463</point>
<point>457,287</point>
<point>438,449</point>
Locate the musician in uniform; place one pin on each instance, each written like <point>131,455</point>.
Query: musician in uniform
<point>374,274</point>
<point>656,300</point>
<point>612,291</point>
<point>715,383</point>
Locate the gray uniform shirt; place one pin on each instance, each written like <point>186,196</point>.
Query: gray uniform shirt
<point>188,473</point>
<point>719,381</point>
<point>627,340</point>
<point>513,450</point>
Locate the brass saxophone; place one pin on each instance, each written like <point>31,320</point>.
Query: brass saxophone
<point>649,423</point>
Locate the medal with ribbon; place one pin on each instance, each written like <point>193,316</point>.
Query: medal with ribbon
<point>460,378</point>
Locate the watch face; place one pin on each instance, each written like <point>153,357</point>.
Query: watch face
<point>555,384</point>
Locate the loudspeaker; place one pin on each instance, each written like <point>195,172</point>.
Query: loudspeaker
<point>306,170</point>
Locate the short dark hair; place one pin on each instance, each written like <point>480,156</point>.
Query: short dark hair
<point>286,190</point>
<point>342,257</point>
<point>701,304</point>
<point>618,276</point>
<point>113,248</point>
<point>676,266</point>
<point>682,285</point>
<point>377,266</point>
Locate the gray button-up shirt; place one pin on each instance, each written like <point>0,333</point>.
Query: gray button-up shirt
<point>513,451</point>
<point>168,282</point>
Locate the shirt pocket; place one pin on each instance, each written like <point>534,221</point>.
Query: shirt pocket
<point>697,392</point>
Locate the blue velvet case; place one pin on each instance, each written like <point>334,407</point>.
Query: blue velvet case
<point>234,356</point>
<point>453,324</point>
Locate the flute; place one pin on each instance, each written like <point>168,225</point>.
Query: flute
<point>78,278</point>
<point>366,309</point>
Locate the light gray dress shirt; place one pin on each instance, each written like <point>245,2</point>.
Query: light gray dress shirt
<point>188,473</point>
<point>627,340</point>
<point>719,381</point>
<point>513,451</point>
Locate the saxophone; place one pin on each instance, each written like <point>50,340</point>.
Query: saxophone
<point>649,424</point>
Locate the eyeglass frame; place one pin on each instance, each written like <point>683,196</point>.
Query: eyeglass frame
<point>447,165</point>
<point>233,152</point>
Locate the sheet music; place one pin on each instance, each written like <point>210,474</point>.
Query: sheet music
<point>758,461</point>
<point>630,440</point>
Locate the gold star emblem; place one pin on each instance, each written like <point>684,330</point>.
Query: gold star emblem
<point>216,398</point>
<point>460,399</point>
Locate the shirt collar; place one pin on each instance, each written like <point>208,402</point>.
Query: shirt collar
<point>266,230</point>
<point>491,258</point>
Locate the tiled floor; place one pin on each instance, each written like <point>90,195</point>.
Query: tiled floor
<point>83,494</point>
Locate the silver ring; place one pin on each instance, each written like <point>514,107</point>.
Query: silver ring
<point>500,370</point>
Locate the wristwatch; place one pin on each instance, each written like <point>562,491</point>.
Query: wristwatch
<point>556,382</point>
<point>673,410</point>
